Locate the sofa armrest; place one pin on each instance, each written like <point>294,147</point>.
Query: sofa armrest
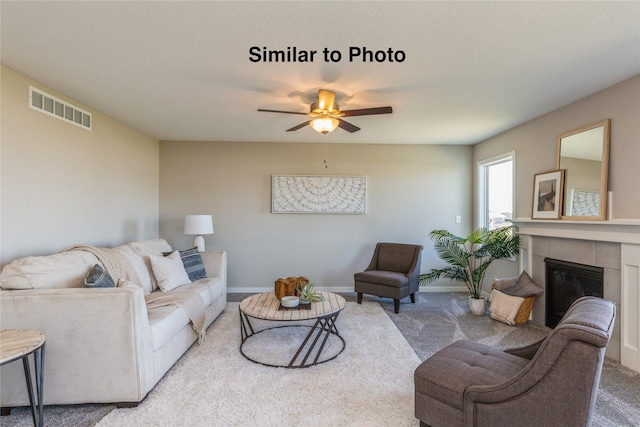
<point>98,344</point>
<point>215,264</point>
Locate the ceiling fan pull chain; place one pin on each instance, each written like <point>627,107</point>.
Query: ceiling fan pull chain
<point>326,166</point>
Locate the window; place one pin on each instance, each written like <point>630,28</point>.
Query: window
<point>495,191</point>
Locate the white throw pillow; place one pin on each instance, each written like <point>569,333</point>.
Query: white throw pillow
<point>169,271</point>
<point>504,308</point>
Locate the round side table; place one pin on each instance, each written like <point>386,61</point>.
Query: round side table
<point>19,344</point>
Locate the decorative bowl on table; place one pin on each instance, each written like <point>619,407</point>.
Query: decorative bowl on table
<point>290,301</point>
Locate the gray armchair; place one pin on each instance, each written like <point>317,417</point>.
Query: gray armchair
<point>553,382</point>
<point>392,273</point>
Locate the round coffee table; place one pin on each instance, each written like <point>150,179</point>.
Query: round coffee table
<point>266,306</point>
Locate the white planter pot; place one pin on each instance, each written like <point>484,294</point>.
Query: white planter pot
<point>478,306</point>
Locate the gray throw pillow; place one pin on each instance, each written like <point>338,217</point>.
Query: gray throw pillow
<point>98,278</point>
<point>524,287</point>
<point>500,284</point>
<point>192,262</point>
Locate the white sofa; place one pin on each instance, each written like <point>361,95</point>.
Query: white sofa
<point>103,345</point>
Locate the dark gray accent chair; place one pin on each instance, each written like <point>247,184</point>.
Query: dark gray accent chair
<point>392,273</point>
<point>553,382</point>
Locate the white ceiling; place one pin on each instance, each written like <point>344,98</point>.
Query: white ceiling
<point>181,70</point>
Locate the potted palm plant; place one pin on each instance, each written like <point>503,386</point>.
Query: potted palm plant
<point>469,257</point>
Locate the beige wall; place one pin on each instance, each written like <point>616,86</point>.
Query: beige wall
<point>411,189</point>
<point>535,144</point>
<point>62,185</point>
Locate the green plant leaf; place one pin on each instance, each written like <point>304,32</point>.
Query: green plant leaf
<point>469,257</point>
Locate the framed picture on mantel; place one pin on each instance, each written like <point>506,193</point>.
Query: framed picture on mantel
<point>547,195</point>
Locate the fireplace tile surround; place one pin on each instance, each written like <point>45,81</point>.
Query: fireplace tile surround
<point>614,246</point>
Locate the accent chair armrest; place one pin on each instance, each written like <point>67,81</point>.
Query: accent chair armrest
<point>527,351</point>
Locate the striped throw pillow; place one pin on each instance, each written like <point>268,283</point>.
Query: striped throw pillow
<point>169,271</point>
<point>192,263</point>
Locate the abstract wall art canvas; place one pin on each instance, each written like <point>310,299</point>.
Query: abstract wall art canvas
<point>318,194</point>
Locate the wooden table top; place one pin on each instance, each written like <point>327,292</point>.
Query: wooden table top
<point>16,343</point>
<point>265,306</point>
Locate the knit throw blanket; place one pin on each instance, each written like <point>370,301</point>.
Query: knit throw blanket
<point>189,300</point>
<point>114,262</point>
<point>186,297</point>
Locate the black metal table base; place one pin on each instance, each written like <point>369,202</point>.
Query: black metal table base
<point>314,342</point>
<point>38,362</point>
<point>35,400</point>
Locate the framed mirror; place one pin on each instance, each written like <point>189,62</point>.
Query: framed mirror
<point>584,154</point>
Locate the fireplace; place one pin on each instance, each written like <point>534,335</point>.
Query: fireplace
<point>566,282</point>
<point>613,245</point>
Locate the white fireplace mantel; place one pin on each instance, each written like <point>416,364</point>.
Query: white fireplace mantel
<point>617,230</point>
<point>624,232</point>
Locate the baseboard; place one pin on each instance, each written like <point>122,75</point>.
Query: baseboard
<point>339,289</point>
<point>443,289</point>
<point>255,290</point>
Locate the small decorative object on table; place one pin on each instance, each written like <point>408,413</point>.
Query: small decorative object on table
<point>289,301</point>
<point>287,287</point>
<point>308,294</point>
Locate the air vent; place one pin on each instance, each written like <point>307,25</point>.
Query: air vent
<point>54,107</point>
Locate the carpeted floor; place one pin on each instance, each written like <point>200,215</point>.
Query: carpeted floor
<point>436,320</point>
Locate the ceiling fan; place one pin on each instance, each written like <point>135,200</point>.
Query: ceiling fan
<point>326,114</point>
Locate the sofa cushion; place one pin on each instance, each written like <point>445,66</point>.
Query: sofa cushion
<point>169,271</point>
<point>98,278</point>
<point>62,270</point>
<point>151,247</point>
<point>166,321</point>
<point>147,248</point>
<point>137,262</point>
<point>447,374</point>
<point>386,278</point>
<point>209,289</point>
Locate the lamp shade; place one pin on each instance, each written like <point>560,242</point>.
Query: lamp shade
<point>198,224</point>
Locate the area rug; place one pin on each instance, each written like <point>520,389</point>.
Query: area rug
<point>433,322</point>
<point>369,384</point>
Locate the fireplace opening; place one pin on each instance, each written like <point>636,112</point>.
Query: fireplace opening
<point>565,283</point>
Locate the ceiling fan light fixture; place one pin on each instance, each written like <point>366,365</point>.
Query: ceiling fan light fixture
<point>324,125</point>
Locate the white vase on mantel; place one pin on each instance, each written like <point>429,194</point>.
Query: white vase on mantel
<point>477,305</point>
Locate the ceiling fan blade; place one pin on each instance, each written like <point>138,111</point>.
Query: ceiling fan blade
<point>326,98</point>
<point>348,126</point>
<point>367,111</point>
<point>280,111</point>
<point>300,126</point>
